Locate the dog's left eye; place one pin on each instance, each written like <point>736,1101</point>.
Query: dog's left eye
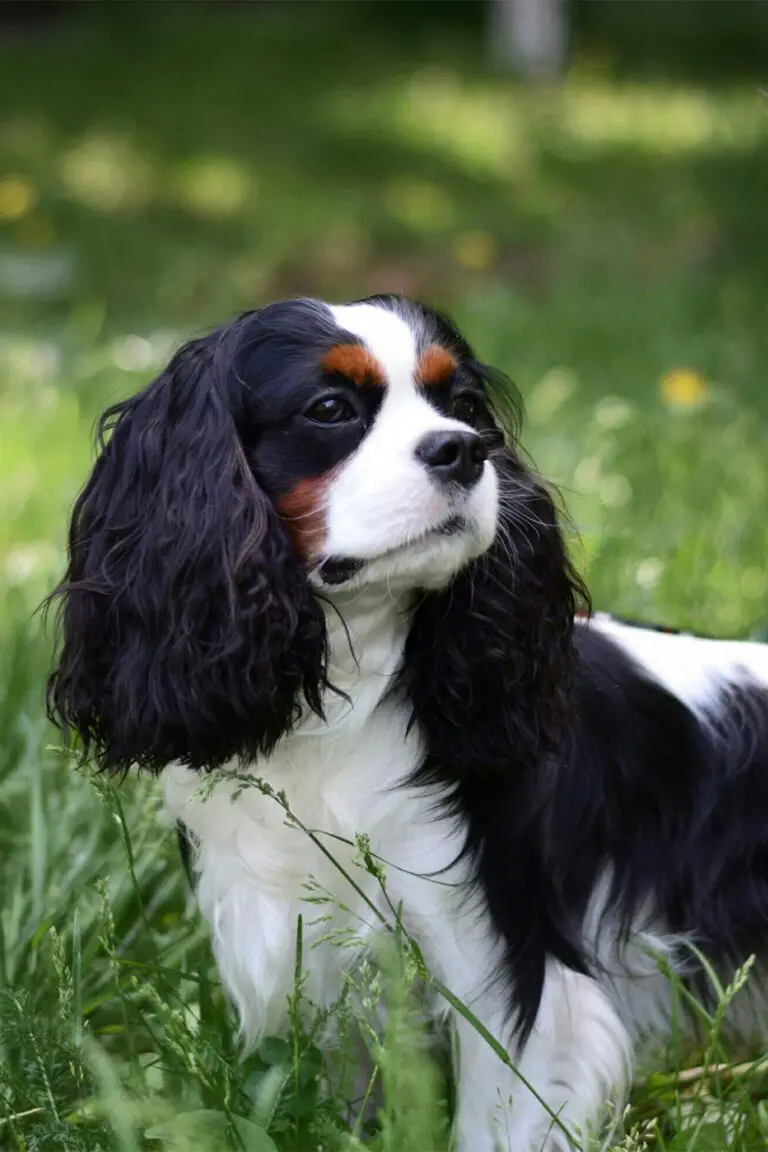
<point>466,406</point>
<point>331,410</point>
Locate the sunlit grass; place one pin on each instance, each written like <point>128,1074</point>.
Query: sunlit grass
<point>667,119</point>
<point>658,494</point>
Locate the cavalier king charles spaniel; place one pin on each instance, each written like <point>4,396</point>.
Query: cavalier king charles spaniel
<point>311,550</point>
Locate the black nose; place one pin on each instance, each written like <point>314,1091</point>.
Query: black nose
<point>456,457</point>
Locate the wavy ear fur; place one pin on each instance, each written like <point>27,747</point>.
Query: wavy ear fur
<point>493,693</point>
<point>489,664</point>
<point>189,631</point>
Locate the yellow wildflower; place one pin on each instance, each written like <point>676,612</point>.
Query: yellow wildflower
<point>17,197</point>
<point>683,388</point>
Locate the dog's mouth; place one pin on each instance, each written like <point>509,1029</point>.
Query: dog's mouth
<point>335,570</point>
<point>450,527</point>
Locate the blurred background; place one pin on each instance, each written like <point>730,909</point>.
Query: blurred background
<point>582,183</point>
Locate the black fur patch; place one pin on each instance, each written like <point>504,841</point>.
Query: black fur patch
<point>676,803</point>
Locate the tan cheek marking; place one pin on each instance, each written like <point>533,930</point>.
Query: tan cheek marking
<point>303,512</point>
<point>436,366</point>
<point>356,363</point>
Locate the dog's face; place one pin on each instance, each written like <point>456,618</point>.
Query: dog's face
<point>373,438</point>
<point>298,452</point>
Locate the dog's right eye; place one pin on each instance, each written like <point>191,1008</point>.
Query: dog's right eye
<point>331,410</point>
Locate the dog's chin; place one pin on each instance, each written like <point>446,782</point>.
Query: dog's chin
<point>428,562</point>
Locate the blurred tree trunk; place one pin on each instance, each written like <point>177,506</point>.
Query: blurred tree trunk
<point>530,36</point>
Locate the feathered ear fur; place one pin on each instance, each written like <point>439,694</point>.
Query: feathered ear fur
<point>493,692</point>
<point>188,628</point>
<point>489,663</point>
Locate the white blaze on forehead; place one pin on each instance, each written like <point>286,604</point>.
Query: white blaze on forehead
<point>388,336</point>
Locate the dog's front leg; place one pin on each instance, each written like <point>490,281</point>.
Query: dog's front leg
<point>567,1080</point>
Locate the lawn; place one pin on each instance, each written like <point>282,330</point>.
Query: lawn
<point>604,242</point>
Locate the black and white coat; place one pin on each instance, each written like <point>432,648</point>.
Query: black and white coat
<point>308,549</point>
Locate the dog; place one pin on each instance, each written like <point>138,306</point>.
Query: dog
<point>311,551</point>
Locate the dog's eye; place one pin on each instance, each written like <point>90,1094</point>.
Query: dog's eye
<point>331,410</point>
<point>466,407</point>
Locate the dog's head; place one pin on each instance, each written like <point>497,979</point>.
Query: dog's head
<point>299,453</point>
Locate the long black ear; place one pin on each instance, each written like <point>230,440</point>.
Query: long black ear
<point>489,659</point>
<point>188,628</point>
<point>489,662</point>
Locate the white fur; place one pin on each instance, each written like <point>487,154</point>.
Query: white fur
<point>383,503</point>
<point>691,667</point>
<point>343,779</point>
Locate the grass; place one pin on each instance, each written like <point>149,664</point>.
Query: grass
<point>603,242</point>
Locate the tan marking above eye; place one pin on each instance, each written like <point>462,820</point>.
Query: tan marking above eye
<point>356,363</point>
<point>436,366</point>
<point>303,512</point>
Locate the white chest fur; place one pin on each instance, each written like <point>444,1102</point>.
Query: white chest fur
<point>257,871</point>
<point>347,776</point>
